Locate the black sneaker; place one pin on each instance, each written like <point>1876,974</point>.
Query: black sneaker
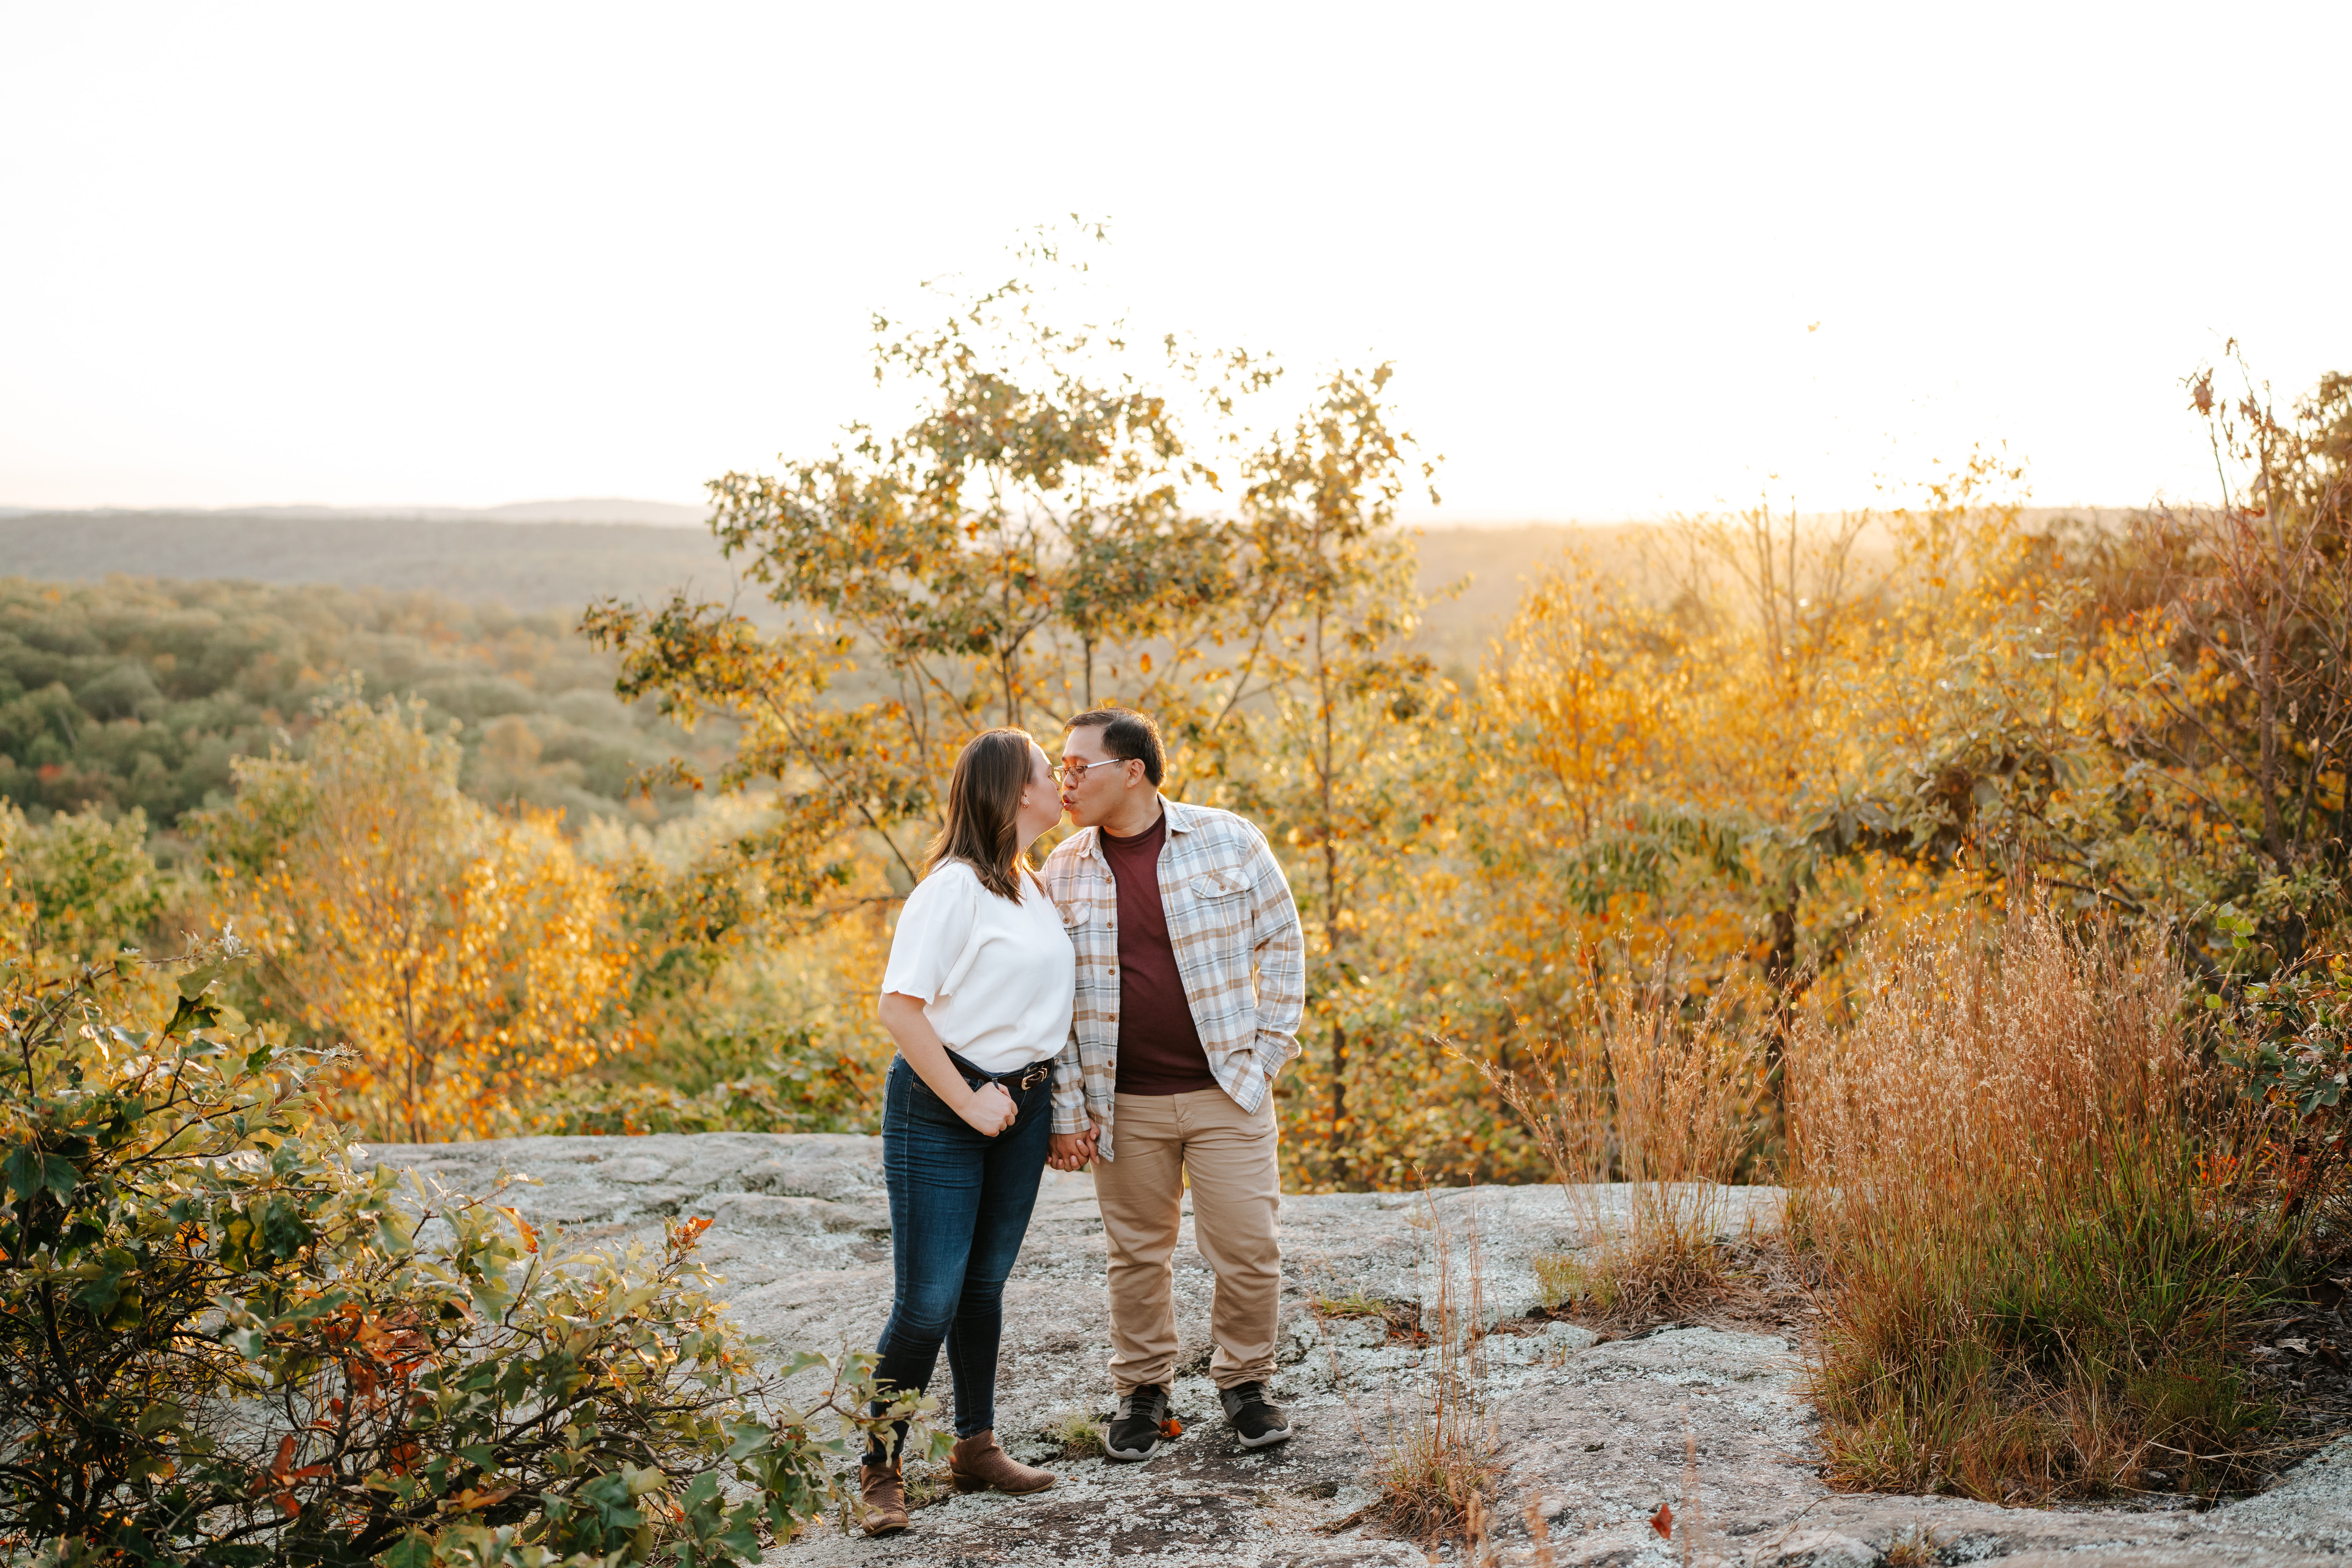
<point>1256,1420</point>
<point>1142,1425</point>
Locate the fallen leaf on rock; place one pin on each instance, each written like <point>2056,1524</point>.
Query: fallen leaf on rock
<point>1663,1521</point>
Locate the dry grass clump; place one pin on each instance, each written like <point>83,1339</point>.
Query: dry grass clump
<point>2036,1250</point>
<point>1668,1105</point>
<point>925,1484</point>
<point>1437,1472</point>
<point>1560,1279</point>
<point>1914,1547</point>
<point>1078,1433</point>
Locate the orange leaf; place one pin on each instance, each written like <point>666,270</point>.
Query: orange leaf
<point>1663,1521</point>
<point>530,1236</point>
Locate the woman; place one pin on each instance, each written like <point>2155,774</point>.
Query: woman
<point>977,994</point>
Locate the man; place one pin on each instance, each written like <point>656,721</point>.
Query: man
<point>1191,977</point>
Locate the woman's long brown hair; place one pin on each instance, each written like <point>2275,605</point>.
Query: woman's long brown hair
<point>983,829</point>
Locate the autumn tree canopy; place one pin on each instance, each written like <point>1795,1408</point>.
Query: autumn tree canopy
<point>465,959</point>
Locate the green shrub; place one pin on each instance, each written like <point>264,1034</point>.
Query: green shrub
<point>221,1344</point>
<point>90,883</point>
<point>2289,1038</point>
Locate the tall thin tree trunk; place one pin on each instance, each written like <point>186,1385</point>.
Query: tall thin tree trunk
<point>1780,973</point>
<point>1332,932</point>
<point>1339,1090</point>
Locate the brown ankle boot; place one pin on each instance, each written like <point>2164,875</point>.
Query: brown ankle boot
<point>882,1500</point>
<point>976,1462</point>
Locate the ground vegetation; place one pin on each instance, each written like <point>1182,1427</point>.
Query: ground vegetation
<point>221,1342</point>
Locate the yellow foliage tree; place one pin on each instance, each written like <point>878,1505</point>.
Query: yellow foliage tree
<point>1796,740</point>
<point>467,959</point>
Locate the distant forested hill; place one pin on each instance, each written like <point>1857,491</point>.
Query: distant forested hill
<point>139,693</point>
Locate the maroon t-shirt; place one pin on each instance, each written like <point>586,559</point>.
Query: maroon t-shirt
<point>1159,1045</point>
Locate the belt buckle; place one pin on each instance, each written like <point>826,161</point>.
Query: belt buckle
<point>1038,1072</point>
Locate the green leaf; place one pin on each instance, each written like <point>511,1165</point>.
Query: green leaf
<point>101,1293</point>
<point>192,1011</point>
<point>284,1228</point>
<point>740,1539</point>
<point>749,1437</point>
<point>28,1171</point>
<point>23,1170</point>
<point>413,1551</point>
<point>195,982</point>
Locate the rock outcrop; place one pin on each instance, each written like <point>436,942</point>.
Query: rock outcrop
<point>1595,1435</point>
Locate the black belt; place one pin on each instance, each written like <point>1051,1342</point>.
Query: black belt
<point>1031,1076</point>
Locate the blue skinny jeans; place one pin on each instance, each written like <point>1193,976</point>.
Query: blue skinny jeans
<point>959,1204</point>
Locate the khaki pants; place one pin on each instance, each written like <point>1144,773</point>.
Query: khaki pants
<point>1229,1156</point>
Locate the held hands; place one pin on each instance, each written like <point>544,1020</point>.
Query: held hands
<point>990,1110</point>
<point>1073,1150</point>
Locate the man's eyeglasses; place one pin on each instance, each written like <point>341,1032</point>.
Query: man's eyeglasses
<point>1074,773</point>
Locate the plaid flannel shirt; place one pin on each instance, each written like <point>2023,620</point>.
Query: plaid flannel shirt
<point>1229,913</point>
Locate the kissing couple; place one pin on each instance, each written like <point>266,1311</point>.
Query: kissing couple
<point>1128,1008</point>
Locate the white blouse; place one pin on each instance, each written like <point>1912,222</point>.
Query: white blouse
<point>995,978</point>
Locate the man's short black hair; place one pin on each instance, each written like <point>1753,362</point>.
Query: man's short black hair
<point>1127,735</point>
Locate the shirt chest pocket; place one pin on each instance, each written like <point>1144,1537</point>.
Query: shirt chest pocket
<point>1091,927</point>
<point>1219,893</point>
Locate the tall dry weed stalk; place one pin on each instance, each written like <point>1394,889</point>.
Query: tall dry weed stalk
<point>1437,1474</point>
<point>2007,1153</point>
<point>1669,1106</point>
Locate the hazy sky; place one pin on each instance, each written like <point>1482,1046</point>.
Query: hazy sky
<point>484,253</point>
